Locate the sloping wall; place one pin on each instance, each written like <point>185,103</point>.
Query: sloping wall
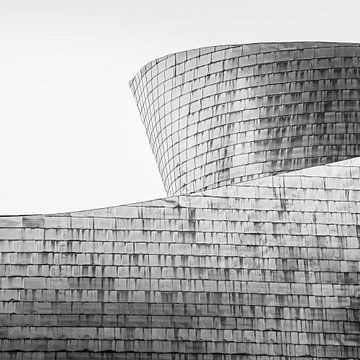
<point>264,270</point>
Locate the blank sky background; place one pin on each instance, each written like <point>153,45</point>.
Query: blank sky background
<point>71,136</point>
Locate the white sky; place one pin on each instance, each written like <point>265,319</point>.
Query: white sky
<point>71,136</point>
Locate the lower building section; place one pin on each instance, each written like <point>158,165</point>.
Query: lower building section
<point>267,269</point>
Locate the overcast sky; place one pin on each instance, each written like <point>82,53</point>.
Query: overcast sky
<point>71,137</point>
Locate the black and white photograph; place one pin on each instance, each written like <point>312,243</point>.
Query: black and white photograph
<point>180,180</point>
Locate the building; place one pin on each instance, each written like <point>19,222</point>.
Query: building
<point>254,254</point>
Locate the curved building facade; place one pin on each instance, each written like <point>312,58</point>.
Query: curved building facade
<point>221,115</point>
<point>256,255</point>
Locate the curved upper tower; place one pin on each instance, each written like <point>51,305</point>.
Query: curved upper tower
<point>220,115</point>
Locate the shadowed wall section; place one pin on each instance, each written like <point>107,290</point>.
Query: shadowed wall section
<point>262,269</point>
<point>219,115</point>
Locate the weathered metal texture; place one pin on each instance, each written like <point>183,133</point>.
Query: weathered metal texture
<point>220,115</point>
<point>264,270</point>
